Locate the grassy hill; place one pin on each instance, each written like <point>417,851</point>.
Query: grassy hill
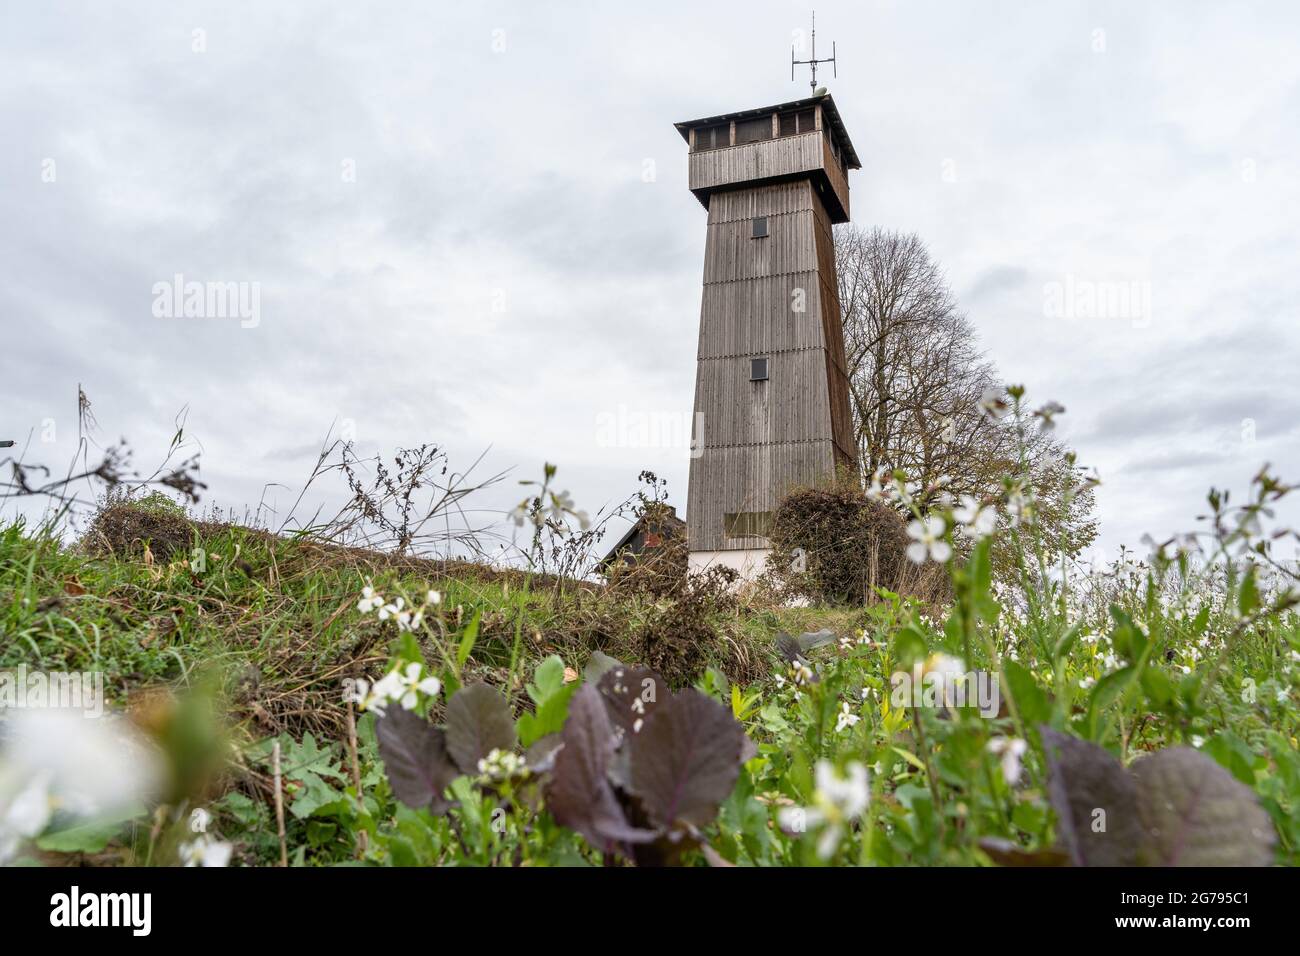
<point>233,651</point>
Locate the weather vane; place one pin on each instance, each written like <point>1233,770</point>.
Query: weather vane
<point>814,61</point>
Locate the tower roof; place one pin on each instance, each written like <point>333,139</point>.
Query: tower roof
<point>828,110</point>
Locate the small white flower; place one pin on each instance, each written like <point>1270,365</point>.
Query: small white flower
<point>199,820</point>
<point>1020,508</point>
<point>1198,741</point>
<point>837,801</point>
<point>975,520</point>
<point>501,765</point>
<point>927,540</point>
<point>433,597</point>
<point>846,718</point>
<point>370,600</point>
<point>993,403</point>
<point>1011,749</point>
<point>205,852</point>
<point>392,610</point>
<point>25,815</point>
<point>878,490</point>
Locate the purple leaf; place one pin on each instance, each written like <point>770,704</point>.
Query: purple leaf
<point>478,721</point>
<point>631,694</point>
<point>1095,800</point>
<point>580,796</point>
<point>415,757</point>
<point>1196,814</point>
<point>686,759</point>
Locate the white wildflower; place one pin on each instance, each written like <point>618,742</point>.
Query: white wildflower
<point>975,520</point>
<point>205,852</point>
<point>927,540</point>
<point>1010,749</point>
<point>993,403</point>
<point>846,718</point>
<point>837,801</point>
<point>370,600</point>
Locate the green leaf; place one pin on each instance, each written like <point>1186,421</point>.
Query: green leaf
<point>547,719</point>
<point>907,647</point>
<point>1159,688</point>
<point>89,837</point>
<point>1248,594</point>
<point>467,639</point>
<point>1195,814</point>
<point>1067,642</point>
<point>1031,702</point>
<point>1105,693</point>
<point>547,679</point>
<point>1232,754</point>
<point>313,795</point>
<point>1127,637</point>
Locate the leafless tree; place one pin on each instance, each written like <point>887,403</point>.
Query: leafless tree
<point>917,377</point>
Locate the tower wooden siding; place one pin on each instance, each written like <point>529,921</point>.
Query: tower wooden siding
<point>757,440</point>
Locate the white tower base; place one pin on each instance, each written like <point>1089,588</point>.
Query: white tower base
<point>748,563</point>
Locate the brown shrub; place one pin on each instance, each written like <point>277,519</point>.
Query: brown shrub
<point>658,568</point>
<point>681,640</point>
<point>834,545</point>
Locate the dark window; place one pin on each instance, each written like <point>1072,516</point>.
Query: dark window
<point>804,121</point>
<point>752,131</point>
<point>758,370</point>
<point>747,524</point>
<point>713,137</point>
<point>760,228</point>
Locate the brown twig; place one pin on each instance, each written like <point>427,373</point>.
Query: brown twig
<point>362,836</point>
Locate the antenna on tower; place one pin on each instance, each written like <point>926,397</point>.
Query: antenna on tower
<point>813,61</point>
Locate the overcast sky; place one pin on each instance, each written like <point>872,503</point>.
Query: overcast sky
<point>469,223</point>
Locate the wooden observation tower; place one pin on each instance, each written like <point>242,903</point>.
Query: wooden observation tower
<point>771,389</point>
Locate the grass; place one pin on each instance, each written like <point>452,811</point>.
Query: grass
<point>1191,663</point>
<point>272,620</point>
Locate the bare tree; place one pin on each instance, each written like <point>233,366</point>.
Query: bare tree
<point>917,378</point>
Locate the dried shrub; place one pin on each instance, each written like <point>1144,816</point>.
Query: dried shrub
<point>832,544</point>
<point>125,526</point>
<point>681,640</point>
<point>659,569</point>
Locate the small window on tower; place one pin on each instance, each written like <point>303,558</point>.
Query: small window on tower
<point>754,130</point>
<point>713,137</point>
<point>760,228</point>
<point>758,370</point>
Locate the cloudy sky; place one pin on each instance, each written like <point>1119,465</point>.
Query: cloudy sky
<point>469,223</point>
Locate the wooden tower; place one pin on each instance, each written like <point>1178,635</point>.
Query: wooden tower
<point>771,390</point>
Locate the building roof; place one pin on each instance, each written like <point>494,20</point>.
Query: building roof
<point>669,521</point>
<point>828,110</point>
